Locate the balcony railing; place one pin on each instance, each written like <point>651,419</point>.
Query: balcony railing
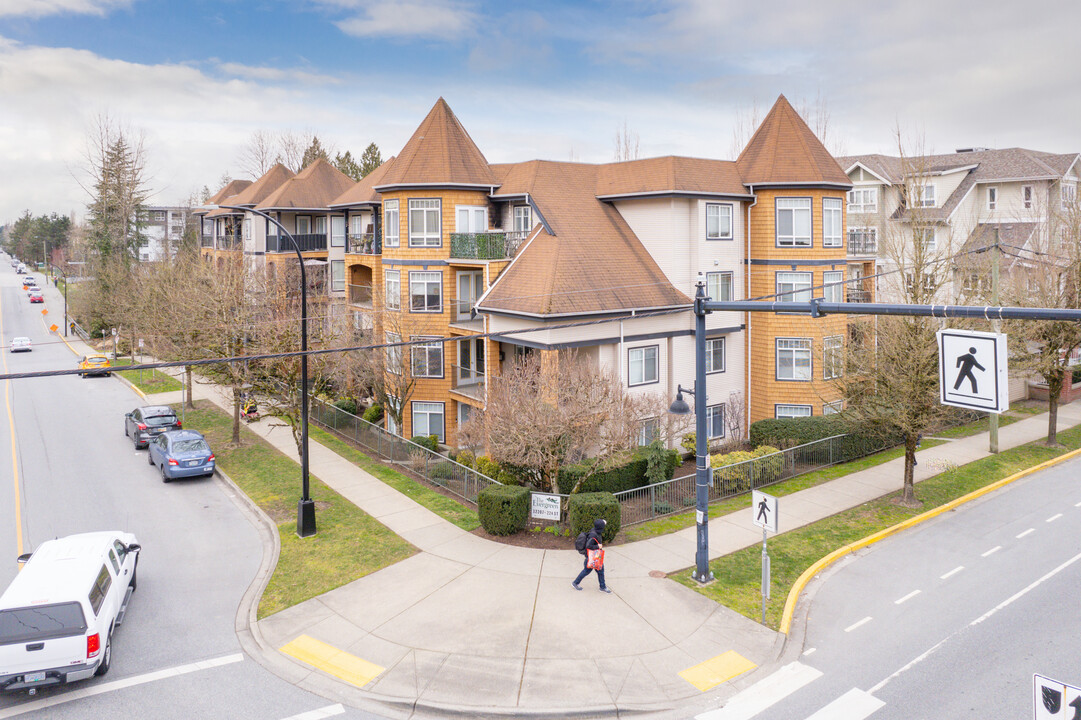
<point>206,241</point>
<point>495,245</point>
<point>308,242</point>
<point>862,245</point>
<point>360,295</point>
<point>857,296</point>
<point>365,243</point>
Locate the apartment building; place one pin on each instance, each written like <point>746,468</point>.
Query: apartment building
<point>162,231</point>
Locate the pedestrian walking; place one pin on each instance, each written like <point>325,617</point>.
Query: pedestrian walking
<point>593,542</point>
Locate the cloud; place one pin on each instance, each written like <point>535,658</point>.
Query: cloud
<point>41,8</point>
<point>437,19</point>
<point>271,74</point>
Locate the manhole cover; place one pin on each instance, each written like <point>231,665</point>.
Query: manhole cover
<point>657,574</point>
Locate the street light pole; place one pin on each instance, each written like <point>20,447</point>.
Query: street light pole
<point>306,506</point>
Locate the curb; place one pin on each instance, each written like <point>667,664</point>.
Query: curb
<point>809,573</point>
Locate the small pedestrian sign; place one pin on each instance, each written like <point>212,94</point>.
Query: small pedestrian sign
<point>1053,700</point>
<point>764,508</point>
<point>972,370</point>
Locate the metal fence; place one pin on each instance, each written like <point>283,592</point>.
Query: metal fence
<point>433,467</point>
<point>78,330</point>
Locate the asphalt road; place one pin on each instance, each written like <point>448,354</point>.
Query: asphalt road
<point>77,472</point>
<point>948,620</point>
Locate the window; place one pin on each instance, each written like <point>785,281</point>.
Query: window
<point>925,195</point>
<point>718,222</point>
<point>794,287</point>
<point>394,354</point>
<point>831,223</point>
<point>832,408</point>
<point>862,241</point>
<point>100,589</point>
<point>356,224</point>
<point>714,355</point>
<point>1026,196</point>
<point>642,365</point>
<point>832,357</point>
<point>791,411</point>
<point>391,224</point>
<point>833,290</point>
<point>470,361</point>
<point>337,232</point>
<point>992,198</point>
<point>424,223</point>
<point>1069,196</point>
<point>863,200</point>
<point>320,225</point>
<point>393,299</point>
<point>428,419</point>
<point>925,236</point>
<point>927,284</point>
<point>426,291</point>
<point>427,358</point>
<point>112,559</point>
<point>794,359</point>
<point>470,288</point>
<point>304,224</point>
<point>648,431</point>
<point>715,421</point>
<point>523,218</point>
<point>719,286</point>
<point>793,222</point>
<point>337,275</point>
<point>471,219</point>
<point>158,216</point>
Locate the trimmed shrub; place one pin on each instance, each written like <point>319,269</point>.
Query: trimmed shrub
<point>768,466</point>
<point>373,414</point>
<point>503,509</point>
<point>442,470</point>
<point>627,474</point>
<point>728,470</point>
<point>349,405</point>
<point>428,441</point>
<point>487,466</point>
<point>466,457</point>
<point>584,508</point>
<point>688,443</point>
<point>791,432</point>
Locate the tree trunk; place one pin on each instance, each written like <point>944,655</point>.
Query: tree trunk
<point>1054,392</point>
<point>236,415</point>
<point>908,493</point>
<point>187,388</point>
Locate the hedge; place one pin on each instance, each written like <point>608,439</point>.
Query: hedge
<point>429,441</point>
<point>503,509</point>
<point>373,414</point>
<point>790,432</point>
<point>741,470</point>
<point>584,508</point>
<point>627,475</point>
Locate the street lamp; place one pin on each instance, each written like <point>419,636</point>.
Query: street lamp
<point>306,506</point>
<point>702,573</point>
<point>63,275</point>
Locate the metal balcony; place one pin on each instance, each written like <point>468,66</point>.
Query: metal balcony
<point>308,242</point>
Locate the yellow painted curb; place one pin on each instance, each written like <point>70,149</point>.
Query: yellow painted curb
<point>801,582</point>
<point>331,660</point>
<point>715,671</point>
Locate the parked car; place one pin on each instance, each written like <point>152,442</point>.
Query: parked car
<point>94,364</point>
<point>36,296</point>
<point>20,344</point>
<point>32,287</point>
<point>146,423</point>
<point>181,454</point>
<point>58,616</point>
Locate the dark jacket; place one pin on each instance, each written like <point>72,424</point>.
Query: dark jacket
<point>593,537</point>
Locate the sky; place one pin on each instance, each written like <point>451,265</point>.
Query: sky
<point>551,80</point>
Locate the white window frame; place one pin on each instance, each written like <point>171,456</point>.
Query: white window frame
<point>1068,196</point>
<point>337,231</point>
<point>929,237</point>
<point>832,223</point>
<point>992,198</point>
<point>833,288</point>
<point>638,365</point>
<point>714,418</point>
<point>337,275</point>
<point>723,213</point>
<point>797,349</point>
<point>715,286</point>
<point>715,355</point>
<point>1027,194</point>
<point>784,410</point>
<point>863,200</point>
<point>799,282</point>
<point>429,410</point>
<point>392,224</point>
<point>796,206</point>
<point>476,219</point>
<point>430,211</point>
<point>522,219</point>
<point>393,355</point>
<point>425,356</point>
<point>392,288</point>
<point>857,240</point>
<point>925,195</point>
<point>306,224</point>
<point>832,408</point>
<point>832,357</point>
<point>475,280</point>
<point>649,429</point>
<point>472,369</point>
<point>427,278</point>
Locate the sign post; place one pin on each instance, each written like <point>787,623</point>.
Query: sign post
<point>545,507</point>
<point>972,370</point>
<point>764,515</point>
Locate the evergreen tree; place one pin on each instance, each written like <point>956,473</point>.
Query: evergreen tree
<point>348,165</point>
<point>370,160</point>
<point>313,153</point>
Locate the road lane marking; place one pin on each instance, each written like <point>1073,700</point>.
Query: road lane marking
<point>1053,518</point>
<point>328,711</point>
<point>912,662</point>
<point>809,651</point>
<point>951,573</point>
<point>1028,589</point>
<point>713,672</point>
<point>90,691</point>
<point>853,705</point>
<point>911,595</point>
<point>1030,530</point>
<point>1077,504</point>
<point>14,444</point>
<point>764,693</point>
<point>992,551</point>
<point>858,623</point>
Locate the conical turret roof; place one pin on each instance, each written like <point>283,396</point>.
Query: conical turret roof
<point>784,151</point>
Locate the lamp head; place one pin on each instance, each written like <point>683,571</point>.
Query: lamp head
<point>679,406</point>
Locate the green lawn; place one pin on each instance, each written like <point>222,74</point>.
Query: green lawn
<point>149,381</point>
<point>739,574</point>
<point>349,543</point>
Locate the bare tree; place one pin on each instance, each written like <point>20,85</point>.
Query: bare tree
<point>259,155</point>
<point>115,180</point>
<point>627,142</point>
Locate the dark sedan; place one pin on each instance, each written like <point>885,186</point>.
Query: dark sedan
<point>146,423</point>
<point>181,454</point>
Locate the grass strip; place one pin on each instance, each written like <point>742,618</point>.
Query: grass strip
<point>349,543</point>
<point>672,523</point>
<point>149,381</point>
<point>739,574</point>
<point>447,508</point>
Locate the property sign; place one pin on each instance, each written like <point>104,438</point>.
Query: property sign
<point>1053,700</point>
<point>764,509</point>
<point>545,506</point>
<point>972,370</point>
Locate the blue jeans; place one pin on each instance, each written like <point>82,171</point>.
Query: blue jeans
<point>588,570</point>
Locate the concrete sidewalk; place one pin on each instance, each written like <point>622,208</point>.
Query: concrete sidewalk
<point>474,627</point>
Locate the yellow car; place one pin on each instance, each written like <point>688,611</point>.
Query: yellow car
<point>95,364</point>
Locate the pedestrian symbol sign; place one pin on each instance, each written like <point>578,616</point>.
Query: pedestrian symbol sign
<point>764,509</point>
<point>972,371</point>
<point>1054,700</point>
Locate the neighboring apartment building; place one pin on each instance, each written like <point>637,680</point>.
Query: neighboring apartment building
<point>601,258</point>
<point>162,230</point>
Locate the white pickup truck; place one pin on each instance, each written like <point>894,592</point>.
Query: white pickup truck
<point>58,616</point>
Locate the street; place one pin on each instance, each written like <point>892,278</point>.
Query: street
<point>73,470</point>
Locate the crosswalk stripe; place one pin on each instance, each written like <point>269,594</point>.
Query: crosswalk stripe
<point>853,705</point>
<point>764,693</point>
<point>319,714</point>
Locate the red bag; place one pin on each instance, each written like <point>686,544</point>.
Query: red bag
<point>595,559</point>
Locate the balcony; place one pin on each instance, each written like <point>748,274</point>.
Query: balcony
<point>857,296</point>
<point>470,382</point>
<point>495,245</point>
<point>308,242</point>
<point>360,295</point>
<point>365,244</point>
<point>206,241</point>
<point>862,244</point>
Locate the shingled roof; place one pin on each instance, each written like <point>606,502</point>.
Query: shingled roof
<point>440,153</point>
<point>784,151</point>
<point>231,188</point>
<point>311,189</point>
<point>670,174</point>
<point>363,192</point>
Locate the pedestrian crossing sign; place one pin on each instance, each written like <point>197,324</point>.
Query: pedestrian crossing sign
<point>972,370</point>
<point>1053,699</point>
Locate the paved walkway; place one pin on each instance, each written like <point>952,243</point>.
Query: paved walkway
<point>484,629</point>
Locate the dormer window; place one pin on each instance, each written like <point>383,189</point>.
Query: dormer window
<point>523,218</point>
<point>925,195</point>
<point>1026,196</point>
<point>863,200</point>
<point>1069,196</point>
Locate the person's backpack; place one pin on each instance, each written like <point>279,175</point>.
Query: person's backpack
<point>580,542</point>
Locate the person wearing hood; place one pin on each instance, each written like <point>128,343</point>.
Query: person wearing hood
<point>593,542</point>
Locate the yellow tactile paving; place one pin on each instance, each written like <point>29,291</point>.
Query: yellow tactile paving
<point>716,670</point>
<point>331,660</point>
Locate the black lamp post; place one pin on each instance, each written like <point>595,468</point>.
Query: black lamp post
<point>306,506</point>
<point>63,275</point>
<point>702,573</point>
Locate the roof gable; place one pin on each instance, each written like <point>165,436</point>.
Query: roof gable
<point>363,192</point>
<point>263,187</point>
<point>313,187</point>
<point>783,150</point>
<point>231,188</point>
